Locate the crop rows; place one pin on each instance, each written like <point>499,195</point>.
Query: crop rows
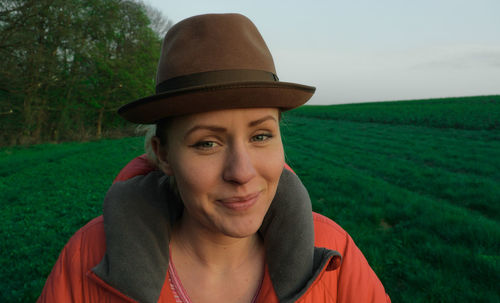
<point>421,202</point>
<point>418,194</point>
<point>418,173</point>
<point>482,112</point>
<point>48,192</point>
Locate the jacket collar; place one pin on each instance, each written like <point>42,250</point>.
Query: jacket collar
<point>138,217</point>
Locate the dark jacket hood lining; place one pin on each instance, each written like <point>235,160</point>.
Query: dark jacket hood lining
<point>138,217</point>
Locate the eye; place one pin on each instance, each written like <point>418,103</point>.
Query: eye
<point>261,137</point>
<point>205,145</point>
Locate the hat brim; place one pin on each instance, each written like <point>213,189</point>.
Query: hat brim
<point>283,95</point>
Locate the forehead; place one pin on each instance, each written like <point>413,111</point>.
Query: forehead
<point>227,117</point>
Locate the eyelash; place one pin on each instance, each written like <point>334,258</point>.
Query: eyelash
<point>201,144</point>
<point>266,135</point>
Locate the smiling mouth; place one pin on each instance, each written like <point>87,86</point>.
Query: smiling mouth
<point>240,203</point>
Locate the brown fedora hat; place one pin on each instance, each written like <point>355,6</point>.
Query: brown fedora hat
<point>211,62</point>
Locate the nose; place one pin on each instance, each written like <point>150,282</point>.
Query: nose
<point>239,167</point>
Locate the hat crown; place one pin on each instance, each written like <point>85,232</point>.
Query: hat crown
<point>213,42</point>
<point>212,62</point>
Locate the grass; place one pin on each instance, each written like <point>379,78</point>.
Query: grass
<point>47,192</point>
<point>420,197</point>
<point>481,112</point>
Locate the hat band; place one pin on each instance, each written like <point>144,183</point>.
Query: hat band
<point>215,77</point>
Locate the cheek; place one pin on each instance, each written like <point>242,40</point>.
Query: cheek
<point>272,167</point>
<point>194,176</point>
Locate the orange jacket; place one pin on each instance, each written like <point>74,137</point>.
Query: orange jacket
<point>74,278</point>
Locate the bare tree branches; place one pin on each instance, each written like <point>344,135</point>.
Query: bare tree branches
<point>160,24</point>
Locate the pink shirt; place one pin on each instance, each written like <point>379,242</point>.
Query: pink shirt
<point>180,294</point>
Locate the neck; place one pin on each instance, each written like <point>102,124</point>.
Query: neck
<point>192,244</point>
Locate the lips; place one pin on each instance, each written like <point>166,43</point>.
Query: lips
<point>240,203</point>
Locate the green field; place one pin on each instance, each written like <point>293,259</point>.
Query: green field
<point>415,183</point>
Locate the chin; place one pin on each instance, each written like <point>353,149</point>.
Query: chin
<point>242,227</point>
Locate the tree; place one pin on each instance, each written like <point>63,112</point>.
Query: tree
<point>68,64</point>
<point>160,24</point>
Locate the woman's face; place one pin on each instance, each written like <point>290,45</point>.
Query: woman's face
<point>227,166</point>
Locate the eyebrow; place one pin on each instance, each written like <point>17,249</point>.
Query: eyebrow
<point>261,120</point>
<point>216,128</point>
<point>207,127</point>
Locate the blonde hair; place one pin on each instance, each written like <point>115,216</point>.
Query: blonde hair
<point>148,131</point>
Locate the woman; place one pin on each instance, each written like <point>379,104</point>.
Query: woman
<point>221,220</point>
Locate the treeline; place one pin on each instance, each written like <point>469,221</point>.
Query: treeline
<point>67,65</point>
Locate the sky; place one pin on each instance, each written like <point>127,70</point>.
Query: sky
<point>380,50</point>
